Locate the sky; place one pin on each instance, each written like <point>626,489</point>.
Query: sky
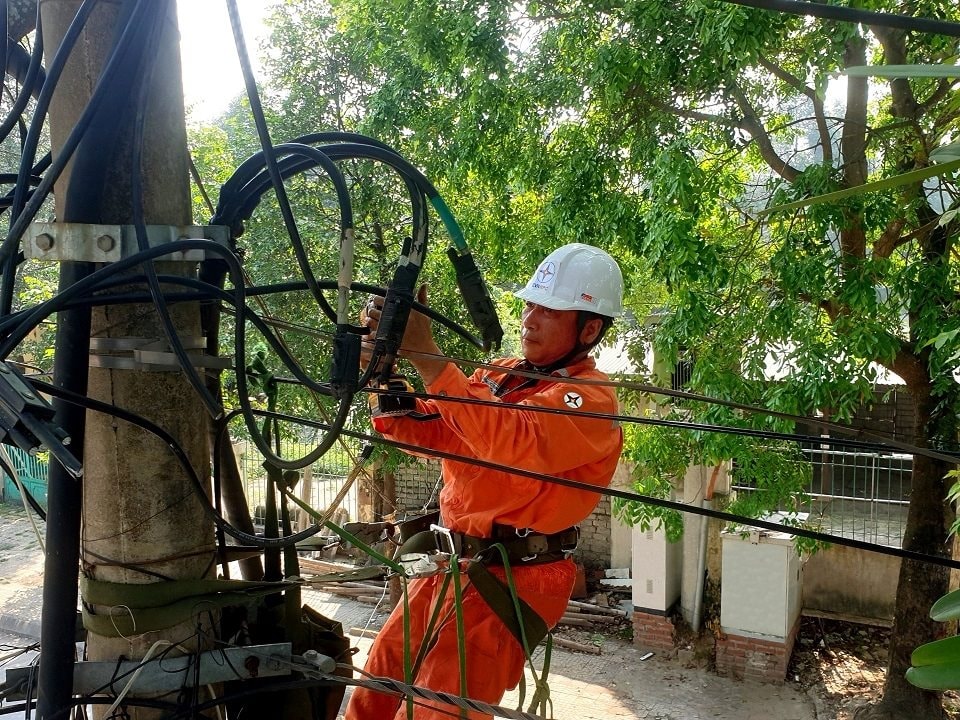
<point>211,70</point>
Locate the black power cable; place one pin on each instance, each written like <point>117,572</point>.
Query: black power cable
<point>855,15</point>
<point>646,499</point>
<point>149,60</point>
<point>270,159</point>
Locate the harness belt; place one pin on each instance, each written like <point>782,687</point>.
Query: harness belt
<point>523,547</point>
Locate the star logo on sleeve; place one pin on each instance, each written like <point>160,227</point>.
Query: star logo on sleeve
<point>572,400</point>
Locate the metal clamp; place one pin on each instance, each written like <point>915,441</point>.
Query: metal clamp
<point>92,242</point>
<point>418,565</point>
<point>132,353</point>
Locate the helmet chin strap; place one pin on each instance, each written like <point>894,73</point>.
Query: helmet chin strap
<point>579,352</point>
<point>580,349</point>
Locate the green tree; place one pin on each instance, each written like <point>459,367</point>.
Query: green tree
<point>662,131</point>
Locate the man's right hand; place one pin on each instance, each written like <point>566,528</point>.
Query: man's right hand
<point>417,345</point>
<point>369,318</point>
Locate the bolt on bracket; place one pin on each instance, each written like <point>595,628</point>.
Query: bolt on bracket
<point>82,242</point>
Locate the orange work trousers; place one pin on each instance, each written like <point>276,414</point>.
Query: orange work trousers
<point>494,658</point>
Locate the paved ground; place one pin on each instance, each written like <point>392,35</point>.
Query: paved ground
<point>614,684</point>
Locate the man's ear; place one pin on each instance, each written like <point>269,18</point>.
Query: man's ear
<point>591,331</point>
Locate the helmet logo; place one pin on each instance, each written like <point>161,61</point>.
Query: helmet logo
<point>545,275</point>
<point>572,400</point>
<point>586,298</point>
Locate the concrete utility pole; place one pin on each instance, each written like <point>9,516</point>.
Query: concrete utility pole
<point>142,521</point>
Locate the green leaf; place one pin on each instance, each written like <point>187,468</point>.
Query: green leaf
<point>939,652</point>
<point>947,607</point>
<point>885,184</point>
<point>945,153</point>
<point>942,339</point>
<point>903,71</point>
<point>935,677</point>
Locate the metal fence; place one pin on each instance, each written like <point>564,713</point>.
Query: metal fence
<point>859,495</point>
<point>31,470</point>
<point>328,476</point>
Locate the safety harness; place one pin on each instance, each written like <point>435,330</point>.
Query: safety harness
<point>506,546</point>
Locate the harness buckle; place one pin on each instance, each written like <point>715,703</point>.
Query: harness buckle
<point>523,532</point>
<point>418,565</point>
<point>443,533</point>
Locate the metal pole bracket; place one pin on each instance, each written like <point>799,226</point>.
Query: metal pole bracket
<point>82,242</point>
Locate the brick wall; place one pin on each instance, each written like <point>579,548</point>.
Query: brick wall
<point>415,484</point>
<point>594,549</point>
<point>747,658</point>
<point>652,632</point>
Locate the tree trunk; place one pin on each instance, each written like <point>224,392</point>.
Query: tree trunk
<point>920,584</point>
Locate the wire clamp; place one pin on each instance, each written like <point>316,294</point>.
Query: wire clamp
<point>150,354</point>
<point>92,242</point>
<point>27,420</point>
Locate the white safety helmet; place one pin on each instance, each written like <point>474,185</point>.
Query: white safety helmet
<point>577,277</point>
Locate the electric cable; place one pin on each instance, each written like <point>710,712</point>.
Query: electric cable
<point>875,440</point>
<point>401,290</point>
<point>30,143</point>
<point>148,58</point>
<point>4,34</point>
<point>180,455</point>
<point>855,15</point>
<point>741,520</point>
<point>115,62</point>
<point>31,80</point>
<point>638,497</point>
<point>256,110</point>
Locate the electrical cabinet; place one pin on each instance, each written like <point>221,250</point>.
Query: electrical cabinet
<point>656,569</point>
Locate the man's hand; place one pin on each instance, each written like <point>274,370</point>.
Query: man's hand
<point>417,345</point>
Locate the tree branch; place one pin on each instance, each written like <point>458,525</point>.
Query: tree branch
<point>797,84</point>
<point>891,239</point>
<point>751,123</point>
<point>639,94</point>
<point>903,102</point>
<point>853,146</point>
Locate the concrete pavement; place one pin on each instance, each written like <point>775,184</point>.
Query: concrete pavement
<point>614,684</point>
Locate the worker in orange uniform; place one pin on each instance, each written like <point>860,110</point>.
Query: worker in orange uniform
<point>571,300</point>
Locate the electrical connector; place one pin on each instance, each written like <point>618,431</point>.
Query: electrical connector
<point>388,402</point>
<point>477,298</point>
<point>27,420</point>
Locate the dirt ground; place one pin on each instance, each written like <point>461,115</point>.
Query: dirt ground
<point>844,665</point>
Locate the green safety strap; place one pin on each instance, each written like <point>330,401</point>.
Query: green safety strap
<point>133,609</point>
<point>528,627</point>
<point>153,595</point>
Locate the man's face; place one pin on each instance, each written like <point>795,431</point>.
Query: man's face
<point>547,335</point>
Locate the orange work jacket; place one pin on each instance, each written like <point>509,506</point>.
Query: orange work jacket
<point>511,434</point>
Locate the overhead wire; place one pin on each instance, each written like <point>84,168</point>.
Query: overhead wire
<point>270,159</point>
<point>844,13</point>
<point>640,497</point>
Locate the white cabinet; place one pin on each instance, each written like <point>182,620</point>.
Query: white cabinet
<point>656,571</point>
<point>762,583</point>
